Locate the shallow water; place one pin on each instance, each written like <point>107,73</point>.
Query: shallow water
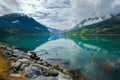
<point>98,57</point>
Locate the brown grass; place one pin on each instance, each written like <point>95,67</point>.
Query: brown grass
<point>4,67</point>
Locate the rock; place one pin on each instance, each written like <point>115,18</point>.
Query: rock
<point>17,64</point>
<point>31,53</point>
<point>8,52</point>
<point>18,52</point>
<point>108,67</point>
<point>23,66</point>
<point>45,78</point>
<point>53,73</point>
<point>63,77</point>
<point>15,75</point>
<point>37,58</point>
<point>3,47</point>
<point>43,68</point>
<point>56,65</point>
<point>13,55</point>
<point>21,49</point>
<point>32,71</point>
<point>9,49</point>
<point>24,60</point>
<point>13,59</point>
<point>47,71</point>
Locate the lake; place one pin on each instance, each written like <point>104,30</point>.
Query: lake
<point>96,57</point>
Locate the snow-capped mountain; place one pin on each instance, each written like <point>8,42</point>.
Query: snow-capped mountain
<point>109,25</point>
<point>21,24</point>
<point>89,21</point>
<point>93,20</point>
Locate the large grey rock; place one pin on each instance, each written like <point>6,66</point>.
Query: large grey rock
<point>9,48</point>
<point>23,66</point>
<point>47,71</point>
<point>8,52</point>
<point>44,68</point>
<point>13,59</point>
<point>44,78</point>
<point>15,75</point>
<point>33,55</point>
<point>19,53</point>
<point>3,47</point>
<point>24,60</point>
<point>64,77</point>
<point>54,73</point>
<point>32,71</point>
<point>16,64</point>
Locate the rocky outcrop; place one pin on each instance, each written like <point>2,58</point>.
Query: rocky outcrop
<point>31,66</point>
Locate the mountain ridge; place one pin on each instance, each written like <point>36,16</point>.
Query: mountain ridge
<point>17,23</point>
<point>108,26</point>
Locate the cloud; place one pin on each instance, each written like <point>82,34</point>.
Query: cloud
<point>60,14</point>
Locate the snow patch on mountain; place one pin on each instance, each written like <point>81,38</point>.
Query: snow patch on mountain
<point>16,21</point>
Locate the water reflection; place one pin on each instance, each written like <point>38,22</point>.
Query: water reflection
<point>29,42</point>
<point>97,57</point>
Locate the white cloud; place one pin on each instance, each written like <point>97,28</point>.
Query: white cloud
<point>61,14</point>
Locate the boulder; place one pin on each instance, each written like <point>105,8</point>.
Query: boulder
<point>9,48</point>
<point>15,75</point>
<point>3,47</point>
<point>33,55</point>
<point>24,60</point>
<point>43,68</point>
<point>32,71</point>
<point>45,78</point>
<point>64,77</point>
<point>8,52</point>
<point>23,66</point>
<point>13,59</point>
<point>16,64</point>
<point>54,73</point>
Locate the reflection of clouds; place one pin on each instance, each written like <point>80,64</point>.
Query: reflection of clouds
<point>93,61</point>
<point>60,47</point>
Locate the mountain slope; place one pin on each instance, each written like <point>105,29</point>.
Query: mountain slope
<point>109,26</point>
<point>20,24</point>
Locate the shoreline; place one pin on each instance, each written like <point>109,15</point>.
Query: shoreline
<point>115,35</point>
<point>26,65</point>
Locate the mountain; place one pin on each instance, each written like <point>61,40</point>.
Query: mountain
<point>88,21</point>
<point>56,31</point>
<point>108,26</point>
<point>21,24</point>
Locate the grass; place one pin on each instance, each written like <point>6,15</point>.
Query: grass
<point>4,67</point>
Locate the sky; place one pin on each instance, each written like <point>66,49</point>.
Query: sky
<point>60,14</point>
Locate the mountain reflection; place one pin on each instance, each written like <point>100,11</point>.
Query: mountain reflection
<point>97,57</point>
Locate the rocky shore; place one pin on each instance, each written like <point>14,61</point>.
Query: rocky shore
<point>26,65</point>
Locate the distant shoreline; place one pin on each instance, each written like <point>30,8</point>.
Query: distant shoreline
<point>97,34</point>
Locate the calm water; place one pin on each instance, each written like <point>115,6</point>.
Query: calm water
<point>98,58</point>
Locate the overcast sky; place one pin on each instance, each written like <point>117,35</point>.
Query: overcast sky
<point>60,14</point>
